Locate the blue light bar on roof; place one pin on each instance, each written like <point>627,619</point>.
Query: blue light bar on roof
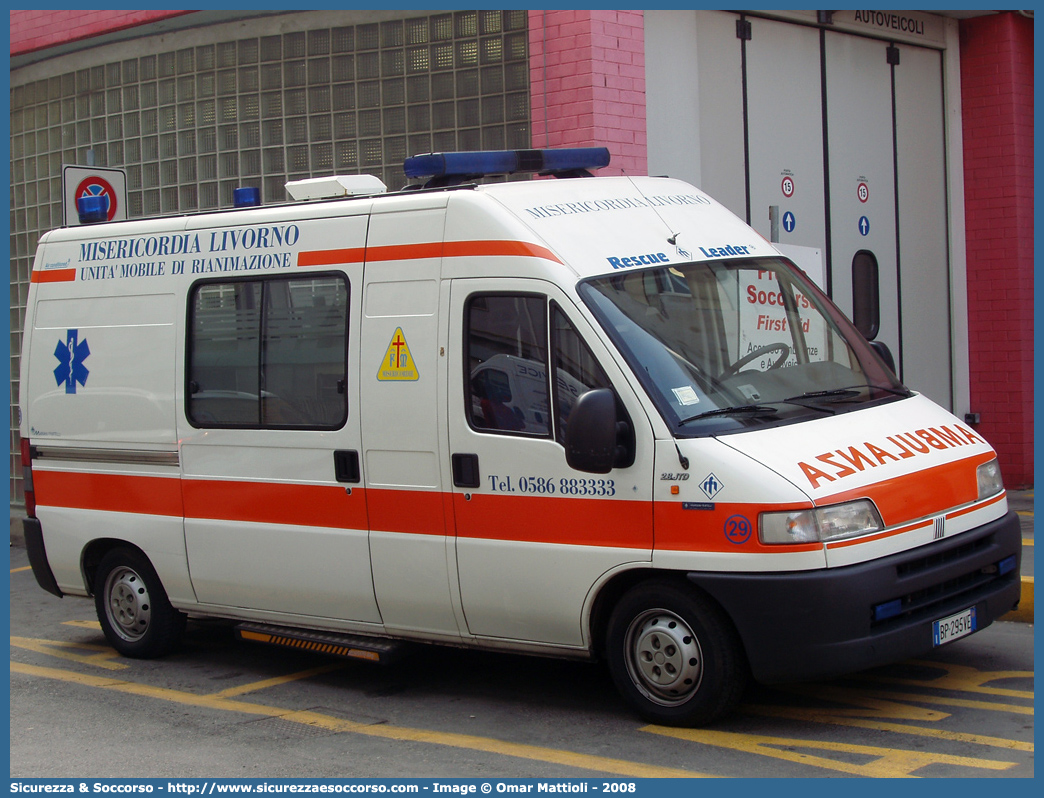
<point>505,162</point>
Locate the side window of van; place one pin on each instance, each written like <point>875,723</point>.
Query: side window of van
<point>506,341</point>
<point>268,354</point>
<point>576,370</point>
<point>506,356</point>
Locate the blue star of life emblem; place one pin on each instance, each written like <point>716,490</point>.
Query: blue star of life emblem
<point>71,355</point>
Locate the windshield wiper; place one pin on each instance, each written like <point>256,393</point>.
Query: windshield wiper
<point>846,392</point>
<point>728,411</point>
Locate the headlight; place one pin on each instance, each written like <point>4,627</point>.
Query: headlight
<point>988,476</point>
<point>821,524</point>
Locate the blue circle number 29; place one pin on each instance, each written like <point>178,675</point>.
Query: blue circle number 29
<point>738,529</point>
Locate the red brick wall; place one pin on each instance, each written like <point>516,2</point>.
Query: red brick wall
<point>587,83</point>
<point>997,98</point>
<point>37,30</point>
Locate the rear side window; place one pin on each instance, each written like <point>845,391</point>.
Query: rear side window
<point>268,354</point>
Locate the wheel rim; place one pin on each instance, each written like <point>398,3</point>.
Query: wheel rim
<point>127,604</point>
<point>663,657</point>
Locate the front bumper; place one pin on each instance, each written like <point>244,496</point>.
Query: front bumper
<point>816,624</point>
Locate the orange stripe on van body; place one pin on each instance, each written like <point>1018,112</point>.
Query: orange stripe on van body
<point>928,492</point>
<point>448,249</point>
<point>331,257</point>
<point>414,512</point>
<point>567,521</point>
<point>53,276</point>
<point>275,503</point>
<point>117,493</point>
<point>892,532</point>
<point>681,529</point>
<point>462,249</point>
<point>530,519</point>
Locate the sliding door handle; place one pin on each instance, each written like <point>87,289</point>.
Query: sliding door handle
<point>466,470</point>
<point>346,466</point>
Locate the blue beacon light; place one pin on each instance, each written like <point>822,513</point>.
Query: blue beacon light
<point>246,197</point>
<point>92,209</point>
<point>447,168</point>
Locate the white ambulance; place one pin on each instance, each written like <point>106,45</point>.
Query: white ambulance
<point>279,415</point>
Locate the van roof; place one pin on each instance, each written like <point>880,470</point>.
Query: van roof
<point>595,225</point>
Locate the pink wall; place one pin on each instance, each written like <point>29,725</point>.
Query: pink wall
<point>587,83</point>
<point>997,98</point>
<point>36,30</point>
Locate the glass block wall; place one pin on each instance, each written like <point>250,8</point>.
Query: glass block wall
<point>190,124</point>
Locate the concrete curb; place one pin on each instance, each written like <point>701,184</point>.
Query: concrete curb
<point>1025,611</point>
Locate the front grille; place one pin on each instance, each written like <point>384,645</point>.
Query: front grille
<point>911,567</point>
<point>953,582</point>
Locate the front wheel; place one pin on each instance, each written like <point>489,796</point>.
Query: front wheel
<point>674,656</point>
<point>135,614</point>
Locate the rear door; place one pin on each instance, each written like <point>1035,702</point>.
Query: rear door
<point>534,535</point>
<point>270,437</point>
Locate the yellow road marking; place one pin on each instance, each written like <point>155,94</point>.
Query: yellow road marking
<point>469,742</point>
<point>921,698</point>
<point>963,679</point>
<point>23,568</point>
<point>861,704</point>
<point>885,762</point>
<point>103,659</point>
<point>92,625</point>
<point>877,704</point>
<point>276,681</point>
<point>875,710</point>
<point>827,716</point>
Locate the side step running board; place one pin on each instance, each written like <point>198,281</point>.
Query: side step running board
<point>371,649</point>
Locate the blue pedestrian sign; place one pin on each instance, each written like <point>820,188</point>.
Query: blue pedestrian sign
<point>864,226</point>
<point>789,222</point>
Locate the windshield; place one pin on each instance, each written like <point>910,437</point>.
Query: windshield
<point>730,345</point>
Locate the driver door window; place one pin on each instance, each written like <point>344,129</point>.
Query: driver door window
<point>507,361</point>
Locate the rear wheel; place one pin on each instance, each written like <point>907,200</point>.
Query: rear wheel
<point>674,655</point>
<point>135,614</point>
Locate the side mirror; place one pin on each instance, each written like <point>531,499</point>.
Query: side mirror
<point>590,436</point>
<point>884,353</point>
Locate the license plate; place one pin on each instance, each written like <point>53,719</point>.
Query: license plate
<point>946,629</point>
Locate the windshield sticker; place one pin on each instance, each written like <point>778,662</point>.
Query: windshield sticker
<point>749,391</point>
<point>686,395</point>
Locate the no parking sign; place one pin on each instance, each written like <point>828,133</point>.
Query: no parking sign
<point>93,181</point>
